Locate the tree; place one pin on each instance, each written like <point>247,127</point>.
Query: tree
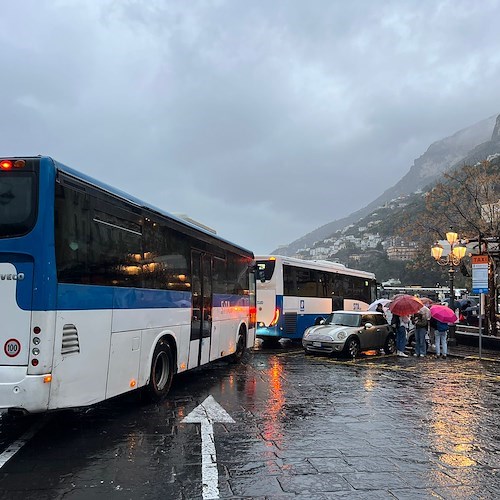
<point>468,199</point>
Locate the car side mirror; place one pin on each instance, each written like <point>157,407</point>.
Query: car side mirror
<point>319,321</point>
<point>368,325</point>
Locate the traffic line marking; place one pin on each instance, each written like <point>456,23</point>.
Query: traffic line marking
<point>206,414</point>
<point>14,447</point>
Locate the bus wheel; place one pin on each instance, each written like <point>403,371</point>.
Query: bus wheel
<point>162,372</point>
<point>240,347</point>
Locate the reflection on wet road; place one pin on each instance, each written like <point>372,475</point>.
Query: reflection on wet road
<point>305,427</point>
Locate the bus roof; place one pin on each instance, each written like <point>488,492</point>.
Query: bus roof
<point>322,265</point>
<point>136,201</point>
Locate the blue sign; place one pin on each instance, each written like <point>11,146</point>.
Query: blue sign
<point>480,290</point>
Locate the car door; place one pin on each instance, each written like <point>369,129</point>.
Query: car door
<point>383,329</point>
<point>369,336</point>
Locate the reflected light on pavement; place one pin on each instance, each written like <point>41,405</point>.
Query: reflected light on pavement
<point>368,383</point>
<point>273,418</point>
<point>453,432</point>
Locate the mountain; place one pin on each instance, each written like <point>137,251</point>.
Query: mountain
<point>468,145</point>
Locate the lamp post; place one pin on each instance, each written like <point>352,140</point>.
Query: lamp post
<point>457,253</point>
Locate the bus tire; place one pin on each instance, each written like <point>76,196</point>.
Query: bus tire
<point>161,373</point>
<point>241,347</point>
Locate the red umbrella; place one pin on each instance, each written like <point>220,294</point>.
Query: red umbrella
<point>404,305</point>
<point>443,314</point>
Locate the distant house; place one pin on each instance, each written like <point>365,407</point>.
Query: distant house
<point>402,252</point>
<point>490,212</point>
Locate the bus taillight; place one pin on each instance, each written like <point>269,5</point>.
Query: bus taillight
<point>276,317</point>
<point>9,164</point>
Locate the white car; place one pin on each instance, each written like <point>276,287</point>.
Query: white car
<point>349,333</point>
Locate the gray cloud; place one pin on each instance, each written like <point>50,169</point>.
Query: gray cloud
<point>261,119</point>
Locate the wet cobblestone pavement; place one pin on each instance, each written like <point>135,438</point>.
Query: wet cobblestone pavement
<point>305,427</point>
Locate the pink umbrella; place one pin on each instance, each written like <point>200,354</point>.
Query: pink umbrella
<point>404,305</point>
<point>443,314</point>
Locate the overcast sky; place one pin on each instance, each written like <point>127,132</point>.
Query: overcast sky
<point>263,119</point>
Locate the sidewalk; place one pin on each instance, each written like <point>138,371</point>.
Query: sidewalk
<point>472,352</point>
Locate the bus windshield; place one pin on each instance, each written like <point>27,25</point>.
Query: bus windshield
<point>17,203</point>
<point>265,269</point>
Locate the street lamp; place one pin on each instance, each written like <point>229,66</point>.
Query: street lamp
<point>457,253</point>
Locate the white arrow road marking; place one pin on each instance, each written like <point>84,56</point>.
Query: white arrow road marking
<point>13,448</point>
<point>206,414</point>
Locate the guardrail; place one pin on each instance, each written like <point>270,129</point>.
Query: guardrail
<point>469,335</point>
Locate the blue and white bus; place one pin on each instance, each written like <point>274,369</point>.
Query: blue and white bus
<point>103,294</point>
<point>293,294</point>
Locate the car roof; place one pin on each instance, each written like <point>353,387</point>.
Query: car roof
<point>359,312</point>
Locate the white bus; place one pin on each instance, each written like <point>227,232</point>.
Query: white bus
<point>103,294</point>
<point>293,294</point>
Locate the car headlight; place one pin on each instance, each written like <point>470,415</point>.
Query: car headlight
<point>306,332</point>
<point>342,335</point>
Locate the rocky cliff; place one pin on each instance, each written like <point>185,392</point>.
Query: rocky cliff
<point>468,145</point>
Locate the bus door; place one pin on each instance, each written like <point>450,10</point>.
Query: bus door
<point>337,303</point>
<point>16,293</point>
<point>201,312</point>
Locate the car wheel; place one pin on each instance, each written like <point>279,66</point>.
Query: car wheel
<point>351,347</point>
<point>390,345</point>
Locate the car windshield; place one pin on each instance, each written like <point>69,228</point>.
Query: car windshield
<point>344,319</point>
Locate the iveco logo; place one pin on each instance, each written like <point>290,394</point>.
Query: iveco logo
<point>16,277</point>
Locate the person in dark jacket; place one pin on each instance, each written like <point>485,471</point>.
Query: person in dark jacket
<point>441,334</point>
<point>421,324</point>
<point>400,335</point>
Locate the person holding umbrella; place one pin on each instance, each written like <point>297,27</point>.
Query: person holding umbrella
<point>380,309</point>
<point>420,320</point>
<point>401,307</point>
<point>400,330</point>
<point>443,315</point>
<point>441,339</point>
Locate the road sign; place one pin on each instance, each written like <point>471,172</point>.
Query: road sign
<point>480,267</point>
<point>12,348</point>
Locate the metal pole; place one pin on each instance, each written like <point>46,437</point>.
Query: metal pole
<point>453,338</point>
<point>481,309</point>
<point>452,292</point>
